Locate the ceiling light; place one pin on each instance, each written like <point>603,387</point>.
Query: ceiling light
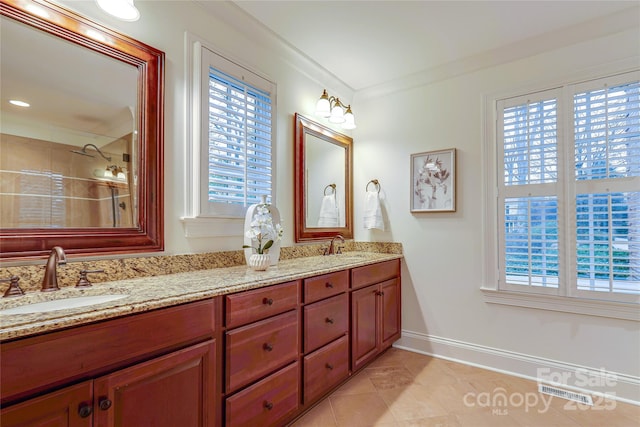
<point>19,103</point>
<point>331,108</point>
<point>121,9</point>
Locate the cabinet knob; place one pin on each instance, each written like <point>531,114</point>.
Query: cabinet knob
<point>329,285</point>
<point>104,403</point>
<point>267,301</point>
<point>266,346</point>
<point>328,320</point>
<point>84,410</point>
<point>380,293</point>
<point>329,366</point>
<point>268,405</point>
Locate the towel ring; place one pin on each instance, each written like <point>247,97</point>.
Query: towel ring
<point>333,187</point>
<point>374,182</point>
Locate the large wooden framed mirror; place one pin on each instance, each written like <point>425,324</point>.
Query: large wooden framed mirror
<point>81,167</point>
<point>323,182</point>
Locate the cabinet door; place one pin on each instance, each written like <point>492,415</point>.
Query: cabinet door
<point>390,312</point>
<point>69,407</point>
<point>364,325</point>
<point>172,390</point>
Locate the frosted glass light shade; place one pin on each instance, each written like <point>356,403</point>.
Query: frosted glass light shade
<point>323,108</point>
<point>121,9</point>
<point>337,114</point>
<point>349,120</point>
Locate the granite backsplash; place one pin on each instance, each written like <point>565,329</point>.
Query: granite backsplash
<point>127,268</point>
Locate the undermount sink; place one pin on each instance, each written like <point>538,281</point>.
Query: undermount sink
<point>62,304</point>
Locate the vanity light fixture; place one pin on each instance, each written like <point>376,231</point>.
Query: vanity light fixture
<point>114,170</point>
<point>331,108</point>
<point>121,9</point>
<point>111,173</point>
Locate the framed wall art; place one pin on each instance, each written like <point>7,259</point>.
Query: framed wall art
<point>433,181</point>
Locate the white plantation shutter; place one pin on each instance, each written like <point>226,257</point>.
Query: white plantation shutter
<point>529,239</point>
<point>607,186</point>
<point>237,137</point>
<point>569,190</point>
<point>530,143</point>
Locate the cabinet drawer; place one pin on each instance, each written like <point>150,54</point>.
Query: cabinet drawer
<point>325,321</point>
<point>255,350</point>
<point>325,368</point>
<point>374,273</point>
<point>319,287</point>
<point>249,306</point>
<point>267,401</point>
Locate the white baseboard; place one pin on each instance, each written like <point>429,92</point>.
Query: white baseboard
<point>598,382</point>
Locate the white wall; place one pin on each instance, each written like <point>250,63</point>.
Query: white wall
<point>300,83</point>
<point>443,308</point>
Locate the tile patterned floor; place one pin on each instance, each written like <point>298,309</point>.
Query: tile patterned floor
<point>402,389</point>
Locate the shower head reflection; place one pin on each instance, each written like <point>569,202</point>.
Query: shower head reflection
<point>83,152</point>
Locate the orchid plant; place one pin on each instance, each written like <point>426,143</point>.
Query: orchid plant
<point>263,230</point>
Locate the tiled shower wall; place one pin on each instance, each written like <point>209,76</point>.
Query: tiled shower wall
<point>45,185</point>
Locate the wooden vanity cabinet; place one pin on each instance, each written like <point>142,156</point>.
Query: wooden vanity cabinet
<point>326,333</point>
<point>156,368</point>
<point>262,350</point>
<point>259,357</point>
<point>375,310</point>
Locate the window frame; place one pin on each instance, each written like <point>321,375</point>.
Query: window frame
<point>198,220</point>
<point>566,297</point>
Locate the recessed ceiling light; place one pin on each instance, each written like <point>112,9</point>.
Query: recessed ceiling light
<point>19,103</point>
<point>121,9</point>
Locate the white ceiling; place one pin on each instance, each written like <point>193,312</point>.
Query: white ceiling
<point>368,43</point>
<point>72,90</point>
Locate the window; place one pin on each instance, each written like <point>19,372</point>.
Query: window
<point>237,148</point>
<point>568,191</point>
<point>230,143</point>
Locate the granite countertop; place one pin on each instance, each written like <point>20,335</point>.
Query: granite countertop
<point>148,293</point>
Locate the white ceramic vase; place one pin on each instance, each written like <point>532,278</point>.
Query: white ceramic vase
<point>259,262</point>
<point>274,250</point>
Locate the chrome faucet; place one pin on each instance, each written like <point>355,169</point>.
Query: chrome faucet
<point>50,281</point>
<point>332,246</point>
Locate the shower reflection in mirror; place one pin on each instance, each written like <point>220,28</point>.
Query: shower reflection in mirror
<point>54,185</point>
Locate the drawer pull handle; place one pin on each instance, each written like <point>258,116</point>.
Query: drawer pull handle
<point>84,410</point>
<point>268,405</point>
<point>104,404</point>
<point>267,301</point>
<point>329,285</point>
<point>267,347</point>
<point>329,320</point>
<point>329,366</point>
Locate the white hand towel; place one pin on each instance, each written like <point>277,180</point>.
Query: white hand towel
<point>328,212</point>
<point>372,211</point>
